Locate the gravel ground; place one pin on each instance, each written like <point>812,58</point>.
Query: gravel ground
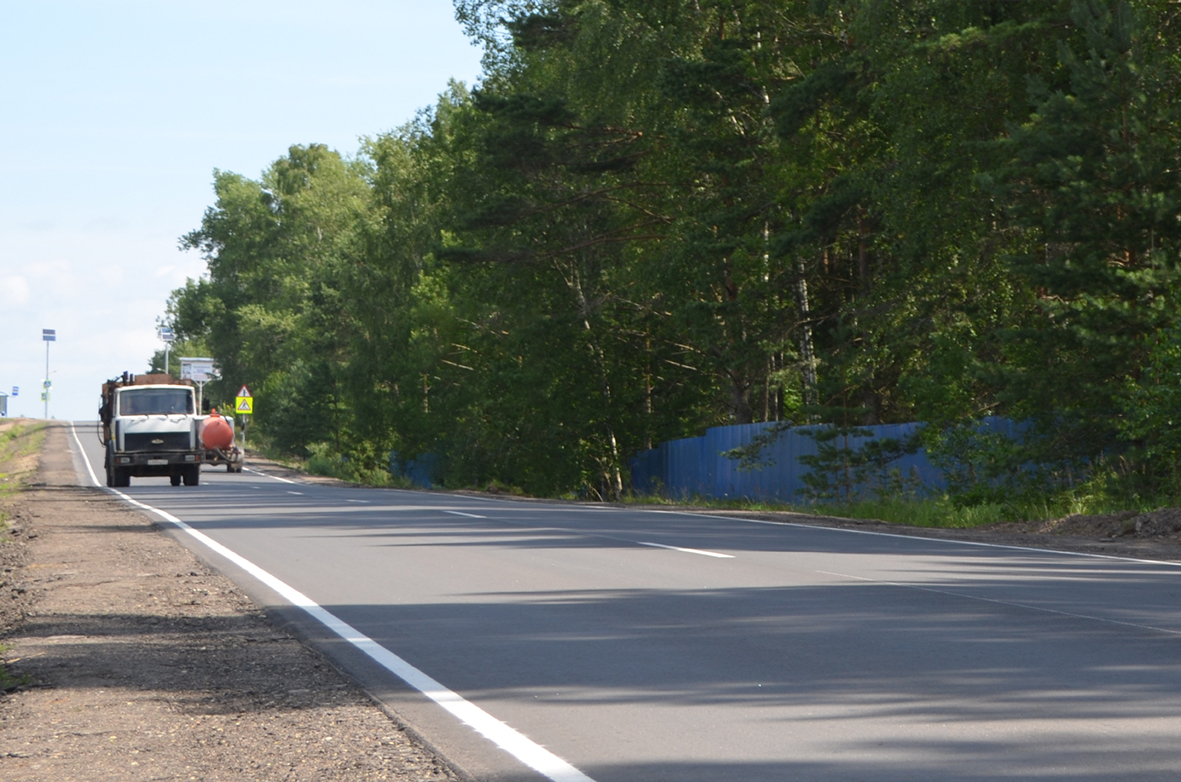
<point>141,663</point>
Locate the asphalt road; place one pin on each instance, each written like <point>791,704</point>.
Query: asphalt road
<point>639,645</point>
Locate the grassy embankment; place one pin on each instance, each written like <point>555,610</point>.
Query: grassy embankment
<point>943,512</point>
<point>938,512</point>
<point>20,442</point>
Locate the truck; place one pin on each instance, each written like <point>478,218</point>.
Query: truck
<point>150,427</point>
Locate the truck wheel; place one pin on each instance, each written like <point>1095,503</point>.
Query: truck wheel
<point>174,479</point>
<point>192,475</point>
<point>110,477</point>
<point>122,477</point>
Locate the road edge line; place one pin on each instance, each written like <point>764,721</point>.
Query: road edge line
<point>953,541</point>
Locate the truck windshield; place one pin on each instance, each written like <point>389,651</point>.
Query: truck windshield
<point>155,401</point>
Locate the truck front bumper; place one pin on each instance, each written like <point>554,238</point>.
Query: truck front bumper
<point>141,464</point>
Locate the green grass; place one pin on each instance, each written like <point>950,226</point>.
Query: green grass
<point>324,461</point>
<point>1103,494</point>
<point>8,682</point>
<point>19,441</point>
<point>936,512</point>
<point>919,513</point>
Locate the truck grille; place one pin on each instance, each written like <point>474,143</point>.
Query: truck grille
<point>172,441</point>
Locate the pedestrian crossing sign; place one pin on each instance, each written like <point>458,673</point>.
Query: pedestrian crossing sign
<point>244,404</point>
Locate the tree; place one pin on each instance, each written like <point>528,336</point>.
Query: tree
<point>271,309</point>
<point>1094,189</point>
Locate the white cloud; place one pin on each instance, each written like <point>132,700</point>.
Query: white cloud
<point>14,290</point>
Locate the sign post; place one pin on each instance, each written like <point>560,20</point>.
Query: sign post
<point>167,336</point>
<point>48,335</point>
<point>244,406</point>
<point>200,371</point>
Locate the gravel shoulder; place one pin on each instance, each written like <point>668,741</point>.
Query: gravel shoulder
<point>140,663</point>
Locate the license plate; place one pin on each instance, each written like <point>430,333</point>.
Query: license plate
<point>157,462</point>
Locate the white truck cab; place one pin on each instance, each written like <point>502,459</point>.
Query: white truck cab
<point>150,427</point>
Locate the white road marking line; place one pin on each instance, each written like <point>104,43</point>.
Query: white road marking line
<point>461,513</point>
<point>272,477</point>
<point>1009,603</point>
<point>300,493</point>
<point>366,502</point>
<point>951,541</point>
<point>82,453</point>
<point>516,744</point>
<point>688,550</point>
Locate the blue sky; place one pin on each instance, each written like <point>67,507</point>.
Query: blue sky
<point>114,115</point>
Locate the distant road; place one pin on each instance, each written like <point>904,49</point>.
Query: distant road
<point>642,646</point>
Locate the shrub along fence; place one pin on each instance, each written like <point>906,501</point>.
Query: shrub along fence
<point>800,464</point>
<point>421,471</point>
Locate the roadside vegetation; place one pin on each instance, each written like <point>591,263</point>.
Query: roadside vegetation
<point>20,442</point>
<point>649,218</point>
<point>8,682</point>
<point>938,512</point>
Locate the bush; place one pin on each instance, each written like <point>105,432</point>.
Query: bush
<point>324,460</point>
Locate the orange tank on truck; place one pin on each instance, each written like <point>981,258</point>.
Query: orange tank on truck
<point>216,432</point>
<point>217,440</point>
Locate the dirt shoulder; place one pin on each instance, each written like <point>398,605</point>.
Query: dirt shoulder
<point>143,664</point>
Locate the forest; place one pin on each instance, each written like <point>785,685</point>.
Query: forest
<point>649,217</point>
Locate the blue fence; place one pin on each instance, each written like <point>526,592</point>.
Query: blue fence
<point>420,471</point>
<point>695,466</point>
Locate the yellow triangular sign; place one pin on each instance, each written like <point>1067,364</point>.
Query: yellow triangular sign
<point>245,405</point>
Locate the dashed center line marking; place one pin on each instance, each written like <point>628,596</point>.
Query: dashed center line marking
<point>461,513</point>
<point>300,493</point>
<point>366,502</point>
<point>688,550</point>
<point>266,475</point>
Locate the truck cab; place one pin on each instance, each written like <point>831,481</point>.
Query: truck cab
<point>150,427</point>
